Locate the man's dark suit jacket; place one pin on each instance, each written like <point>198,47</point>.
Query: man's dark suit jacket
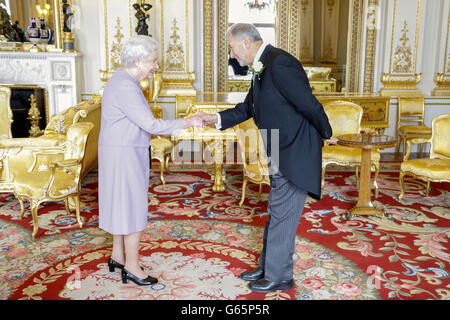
<point>282,99</point>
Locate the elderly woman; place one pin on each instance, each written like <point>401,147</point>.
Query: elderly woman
<point>123,155</point>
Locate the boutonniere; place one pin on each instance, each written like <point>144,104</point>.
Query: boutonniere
<point>257,69</point>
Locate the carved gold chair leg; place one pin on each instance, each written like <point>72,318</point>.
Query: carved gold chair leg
<point>22,207</point>
<point>77,210</point>
<point>167,158</point>
<point>162,172</point>
<point>244,186</point>
<point>402,187</point>
<point>323,178</point>
<point>66,203</point>
<point>428,188</point>
<point>260,191</point>
<point>34,205</point>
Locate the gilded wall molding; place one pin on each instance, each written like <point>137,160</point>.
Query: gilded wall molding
<point>330,29</point>
<point>371,36</point>
<point>306,32</point>
<point>208,41</point>
<point>442,79</point>
<point>354,50</point>
<point>222,52</point>
<point>402,77</point>
<point>175,53</point>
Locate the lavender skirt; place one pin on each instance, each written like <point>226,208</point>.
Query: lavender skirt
<point>123,179</point>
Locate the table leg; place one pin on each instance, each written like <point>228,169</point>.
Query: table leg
<point>364,205</point>
<point>218,186</point>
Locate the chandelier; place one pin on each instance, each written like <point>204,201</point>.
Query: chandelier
<point>257,4</point>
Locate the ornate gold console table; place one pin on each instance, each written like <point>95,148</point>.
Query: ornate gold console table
<point>376,108</point>
<point>216,141</point>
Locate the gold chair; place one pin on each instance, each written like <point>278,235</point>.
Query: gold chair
<point>54,137</point>
<point>345,118</point>
<point>6,119</point>
<point>410,121</point>
<point>253,156</point>
<point>161,146</point>
<point>53,175</point>
<point>6,115</point>
<point>437,167</point>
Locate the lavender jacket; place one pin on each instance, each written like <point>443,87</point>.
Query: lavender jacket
<point>127,119</point>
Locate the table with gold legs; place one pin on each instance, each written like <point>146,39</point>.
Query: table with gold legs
<point>366,142</point>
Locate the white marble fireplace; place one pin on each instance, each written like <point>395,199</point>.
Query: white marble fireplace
<point>58,73</point>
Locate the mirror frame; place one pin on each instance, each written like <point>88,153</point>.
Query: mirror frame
<point>355,46</point>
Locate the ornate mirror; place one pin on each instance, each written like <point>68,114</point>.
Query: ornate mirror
<point>50,10</point>
<point>320,33</point>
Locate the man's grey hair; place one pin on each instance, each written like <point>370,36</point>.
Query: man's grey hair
<point>239,30</point>
<point>137,48</point>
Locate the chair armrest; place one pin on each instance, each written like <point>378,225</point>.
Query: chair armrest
<point>49,158</point>
<point>68,163</point>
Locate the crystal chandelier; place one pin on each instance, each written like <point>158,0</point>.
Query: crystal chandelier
<point>257,4</point>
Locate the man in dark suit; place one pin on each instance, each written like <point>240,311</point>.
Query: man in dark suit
<point>293,125</point>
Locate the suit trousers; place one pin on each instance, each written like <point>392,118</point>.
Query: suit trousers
<point>285,206</point>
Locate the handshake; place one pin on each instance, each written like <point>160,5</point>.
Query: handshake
<point>200,120</point>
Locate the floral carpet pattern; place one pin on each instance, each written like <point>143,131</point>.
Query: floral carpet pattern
<point>197,242</point>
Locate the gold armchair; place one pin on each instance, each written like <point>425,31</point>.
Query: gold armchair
<point>53,175</point>
<point>6,115</point>
<point>6,118</point>
<point>253,156</point>
<point>437,167</point>
<point>54,137</point>
<point>410,121</point>
<point>161,146</point>
<point>345,118</point>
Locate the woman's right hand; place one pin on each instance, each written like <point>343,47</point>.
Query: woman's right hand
<point>195,121</point>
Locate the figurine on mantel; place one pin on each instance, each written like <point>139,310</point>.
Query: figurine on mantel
<point>11,32</point>
<point>68,15</point>
<point>142,13</point>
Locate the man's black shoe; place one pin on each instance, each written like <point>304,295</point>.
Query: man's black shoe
<point>253,275</point>
<point>262,285</point>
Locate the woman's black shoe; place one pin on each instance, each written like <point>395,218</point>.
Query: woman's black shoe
<point>113,264</point>
<point>142,282</point>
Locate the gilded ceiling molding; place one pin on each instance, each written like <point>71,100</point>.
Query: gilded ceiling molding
<point>442,79</point>
<point>208,40</point>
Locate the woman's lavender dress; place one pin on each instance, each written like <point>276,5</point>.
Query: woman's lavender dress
<point>123,157</point>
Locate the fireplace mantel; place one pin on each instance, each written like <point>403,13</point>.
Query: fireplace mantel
<point>58,73</point>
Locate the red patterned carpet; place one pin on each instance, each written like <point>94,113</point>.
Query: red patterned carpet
<point>198,242</point>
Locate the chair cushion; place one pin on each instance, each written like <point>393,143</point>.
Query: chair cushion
<point>161,145</point>
<point>431,168</point>
<point>347,154</point>
<point>415,129</point>
<point>253,172</point>
<point>41,141</point>
<point>32,184</point>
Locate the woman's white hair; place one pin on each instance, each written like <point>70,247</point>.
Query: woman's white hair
<point>137,48</point>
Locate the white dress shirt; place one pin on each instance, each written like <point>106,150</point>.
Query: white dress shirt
<point>256,59</point>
